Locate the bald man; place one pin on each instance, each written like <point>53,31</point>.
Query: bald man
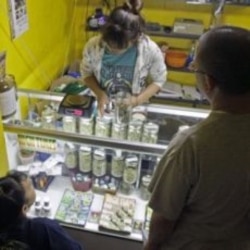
<point>201,187</point>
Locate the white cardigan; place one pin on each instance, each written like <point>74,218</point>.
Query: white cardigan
<point>149,63</point>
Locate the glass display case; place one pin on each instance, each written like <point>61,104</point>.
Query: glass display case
<point>92,173</point>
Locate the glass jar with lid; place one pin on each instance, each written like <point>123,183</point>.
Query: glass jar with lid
<point>85,159</point>
<point>48,119</point>
<point>99,163</point>
<point>135,131</point>
<point>130,174</point>
<point>103,126</point>
<point>150,132</point>
<point>145,181</point>
<point>119,131</point>
<point>71,155</point>
<point>69,124</point>
<point>86,126</point>
<point>117,165</point>
<point>122,108</point>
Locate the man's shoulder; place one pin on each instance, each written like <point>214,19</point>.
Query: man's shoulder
<point>41,223</point>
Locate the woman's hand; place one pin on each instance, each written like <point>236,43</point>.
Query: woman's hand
<point>102,100</point>
<point>134,101</point>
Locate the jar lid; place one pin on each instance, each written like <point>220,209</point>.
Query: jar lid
<point>85,149</point>
<point>99,153</point>
<point>119,125</point>
<point>104,120</point>
<point>86,119</point>
<point>135,124</point>
<point>132,160</point>
<point>70,145</point>
<point>68,118</point>
<point>48,117</point>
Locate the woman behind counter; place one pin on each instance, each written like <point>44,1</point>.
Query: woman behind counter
<point>122,58</point>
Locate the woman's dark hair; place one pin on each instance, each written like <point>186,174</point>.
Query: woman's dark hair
<point>12,199</point>
<point>17,176</point>
<point>224,54</point>
<point>124,24</point>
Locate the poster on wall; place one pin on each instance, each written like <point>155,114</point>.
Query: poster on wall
<point>18,17</point>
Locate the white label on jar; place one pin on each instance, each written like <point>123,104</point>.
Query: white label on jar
<point>130,175</point>
<point>8,102</point>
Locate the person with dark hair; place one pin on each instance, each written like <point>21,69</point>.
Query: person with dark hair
<point>17,232</point>
<point>123,58</point>
<point>201,187</point>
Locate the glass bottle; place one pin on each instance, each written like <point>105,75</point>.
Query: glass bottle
<point>130,174</point>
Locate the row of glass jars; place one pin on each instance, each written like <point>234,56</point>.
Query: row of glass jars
<point>95,160</point>
<point>104,127</point>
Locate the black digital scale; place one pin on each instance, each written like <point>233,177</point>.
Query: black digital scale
<point>77,105</point>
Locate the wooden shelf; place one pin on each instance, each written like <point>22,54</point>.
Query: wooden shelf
<point>172,35</point>
<point>181,70</point>
<point>207,3</point>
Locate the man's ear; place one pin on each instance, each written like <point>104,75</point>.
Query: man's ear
<point>25,209</point>
<point>209,85</point>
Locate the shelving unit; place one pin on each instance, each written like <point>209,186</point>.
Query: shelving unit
<point>227,3</point>
<point>172,35</point>
<point>181,70</point>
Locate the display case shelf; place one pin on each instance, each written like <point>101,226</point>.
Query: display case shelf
<point>169,118</point>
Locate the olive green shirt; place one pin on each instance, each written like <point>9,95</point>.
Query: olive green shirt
<point>203,183</point>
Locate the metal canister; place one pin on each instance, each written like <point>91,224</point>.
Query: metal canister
<point>150,132</point>
<point>99,163</point>
<point>86,126</point>
<point>103,126</point>
<point>85,159</point>
<point>71,155</point>
<point>135,131</point>
<point>117,165</point>
<point>69,124</point>
<point>119,131</point>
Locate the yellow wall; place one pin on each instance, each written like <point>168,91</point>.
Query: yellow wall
<point>36,57</point>
<point>57,35</point>
<point>40,54</point>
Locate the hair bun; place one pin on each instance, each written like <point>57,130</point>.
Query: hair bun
<point>134,6</point>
